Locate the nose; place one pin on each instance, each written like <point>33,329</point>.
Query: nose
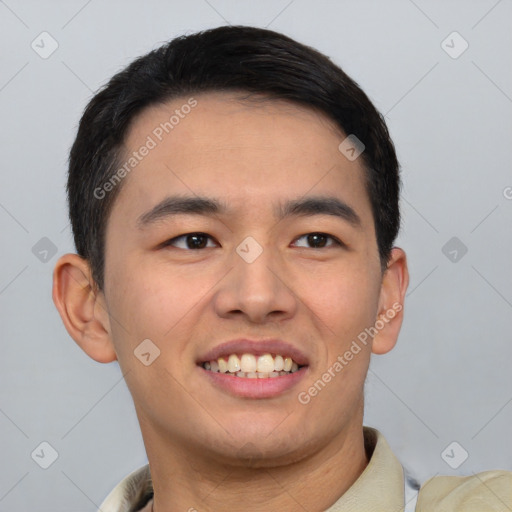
<point>259,289</point>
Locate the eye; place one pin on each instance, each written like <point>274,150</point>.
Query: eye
<point>189,241</point>
<point>319,240</point>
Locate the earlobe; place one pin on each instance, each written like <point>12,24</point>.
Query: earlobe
<point>391,302</point>
<point>82,308</point>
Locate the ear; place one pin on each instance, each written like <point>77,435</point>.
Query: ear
<point>82,307</point>
<point>391,302</point>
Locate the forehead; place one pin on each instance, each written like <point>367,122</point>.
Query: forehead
<point>244,151</point>
<point>219,119</point>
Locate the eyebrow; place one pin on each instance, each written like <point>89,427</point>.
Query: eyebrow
<point>303,207</point>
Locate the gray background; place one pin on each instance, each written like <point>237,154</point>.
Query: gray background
<point>449,377</point>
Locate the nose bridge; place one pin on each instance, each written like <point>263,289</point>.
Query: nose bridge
<point>255,286</point>
<point>254,264</point>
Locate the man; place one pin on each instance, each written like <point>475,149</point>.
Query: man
<point>234,202</point>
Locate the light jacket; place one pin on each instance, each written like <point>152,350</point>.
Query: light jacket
<point>379,488</point>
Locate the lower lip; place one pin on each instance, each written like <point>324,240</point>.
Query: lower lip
<point>254,388</point>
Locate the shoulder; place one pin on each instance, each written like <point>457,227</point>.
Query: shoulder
<point>488,491</point>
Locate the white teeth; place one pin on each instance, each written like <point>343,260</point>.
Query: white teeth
<point>248,363</point>
<point>266,363</point>
<point>253,367</point>
<point>233,363</point>
<point>223,365</point>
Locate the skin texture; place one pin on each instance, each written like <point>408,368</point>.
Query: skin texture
<point>207,448</point>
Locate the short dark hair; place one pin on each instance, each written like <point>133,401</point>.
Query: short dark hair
<point>227,58</point>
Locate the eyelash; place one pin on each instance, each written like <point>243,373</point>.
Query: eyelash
<point>336,241</point>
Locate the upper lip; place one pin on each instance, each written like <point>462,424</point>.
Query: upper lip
<point>256,347</point>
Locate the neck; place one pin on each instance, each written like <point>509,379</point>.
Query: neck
<point>185,481</point>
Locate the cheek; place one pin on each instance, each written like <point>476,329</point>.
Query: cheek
<point>345,300</point>
<point>344,306</point>
<point>145,304</point>
<point>156,302</point>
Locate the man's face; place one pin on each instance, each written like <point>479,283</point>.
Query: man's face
<point>193,294</point>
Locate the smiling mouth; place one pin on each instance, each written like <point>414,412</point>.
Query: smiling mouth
<point>252,366</point>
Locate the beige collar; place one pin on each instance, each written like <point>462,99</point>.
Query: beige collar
<point>380,487</point>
